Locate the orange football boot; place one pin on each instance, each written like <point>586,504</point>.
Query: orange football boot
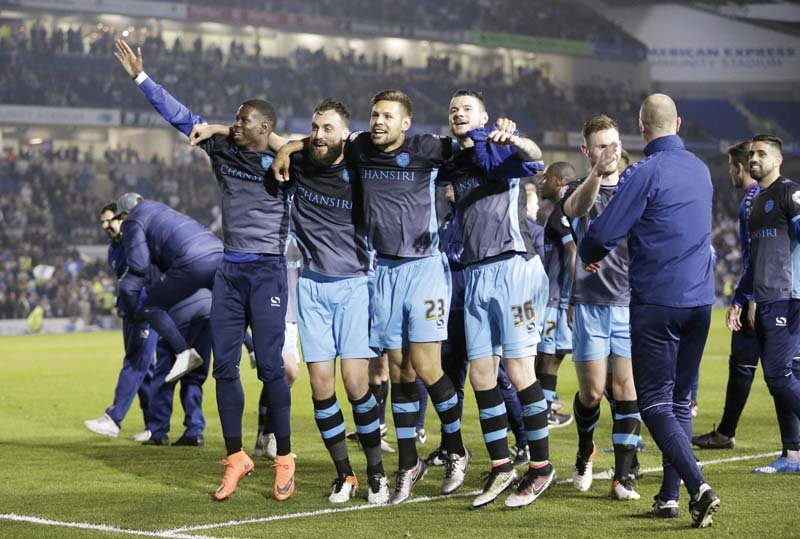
<point>236,466</point>
<point>284,477</point>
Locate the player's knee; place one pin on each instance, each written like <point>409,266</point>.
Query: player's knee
<point>591,397</point>
<point>482,375</point>
<point>355,387</point>
<point>777,382</point>
<point>290,366</point>
<point>225,371</point>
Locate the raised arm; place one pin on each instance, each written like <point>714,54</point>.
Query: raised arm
<point>582,200</point>
<point>172,110</point>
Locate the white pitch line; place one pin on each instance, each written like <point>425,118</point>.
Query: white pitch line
<point>366,507</point>
<point>98,527</point>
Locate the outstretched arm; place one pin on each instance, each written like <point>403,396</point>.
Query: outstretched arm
<point>172,110</point>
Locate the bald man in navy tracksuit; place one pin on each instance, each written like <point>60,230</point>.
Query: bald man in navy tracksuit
<point>664,204</point>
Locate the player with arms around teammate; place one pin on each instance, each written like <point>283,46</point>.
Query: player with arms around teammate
<point>333,297</point>
<point>600,295</point>
<point>501,300</point>
<point>249,286</point>
<point>412,279</point>
<point>663,205</point>
<point>773,278</point>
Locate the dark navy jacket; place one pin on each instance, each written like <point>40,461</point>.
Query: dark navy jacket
<point>154,233</point>
<point>664,203</point>
<point>116,258</point>
<point>452,245</point>
<point>739,296</point>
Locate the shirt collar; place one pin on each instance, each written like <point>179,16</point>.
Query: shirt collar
<point>661,144</point>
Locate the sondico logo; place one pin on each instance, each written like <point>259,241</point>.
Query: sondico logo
<point>275,301</point>
<point>780,321</point>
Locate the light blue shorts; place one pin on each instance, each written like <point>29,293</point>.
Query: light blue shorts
<point>333,317</point>
<point>557,336</point>
<point>499,310</point>
<point>411,301</point>
<point>600,330</point>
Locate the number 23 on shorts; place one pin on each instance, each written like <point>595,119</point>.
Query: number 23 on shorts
<point>434,309</point>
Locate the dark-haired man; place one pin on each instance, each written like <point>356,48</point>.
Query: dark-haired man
<point>140,346</point>
<point>505,288</point>
<point>250,286</point>
<point>745,351</point>
<point>774,281</point>
<point>412,278</point>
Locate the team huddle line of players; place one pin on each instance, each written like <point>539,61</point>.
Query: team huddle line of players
<point>627,289</point>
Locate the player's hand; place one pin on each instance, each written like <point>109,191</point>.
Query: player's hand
<point>570,315</point>
<point>733,318</point>
<point>609,154</point>
<point>201,132</point>
<point>751,314</point>
<point>503,134</point>
<point>594,267</point>
<point>131,62</point>
<point>280,166</point>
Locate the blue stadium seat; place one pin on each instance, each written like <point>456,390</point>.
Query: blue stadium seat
<point>716,116</point>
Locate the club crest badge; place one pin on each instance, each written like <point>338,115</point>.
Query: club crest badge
<point>769,205</point>
<point>403,159</point>
<point>266,162</point>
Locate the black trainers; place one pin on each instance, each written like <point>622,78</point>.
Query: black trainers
<point>556,420</point>
<point>664,508</point>
<point>703,508</point>
<point>437,458</point>
<point>520,456</point>
<point>714,440</point>
<point>164,440</point>
<point>195,441</point>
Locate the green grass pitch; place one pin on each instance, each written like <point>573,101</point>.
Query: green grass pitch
<point>53,468</point>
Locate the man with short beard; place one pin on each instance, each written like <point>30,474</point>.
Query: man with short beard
<point>773,280</point>
<point>249,287</point>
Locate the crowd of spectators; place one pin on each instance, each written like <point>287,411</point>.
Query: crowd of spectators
<point>61,282</point>
<point>570,19</point>
<point>37,68</point>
